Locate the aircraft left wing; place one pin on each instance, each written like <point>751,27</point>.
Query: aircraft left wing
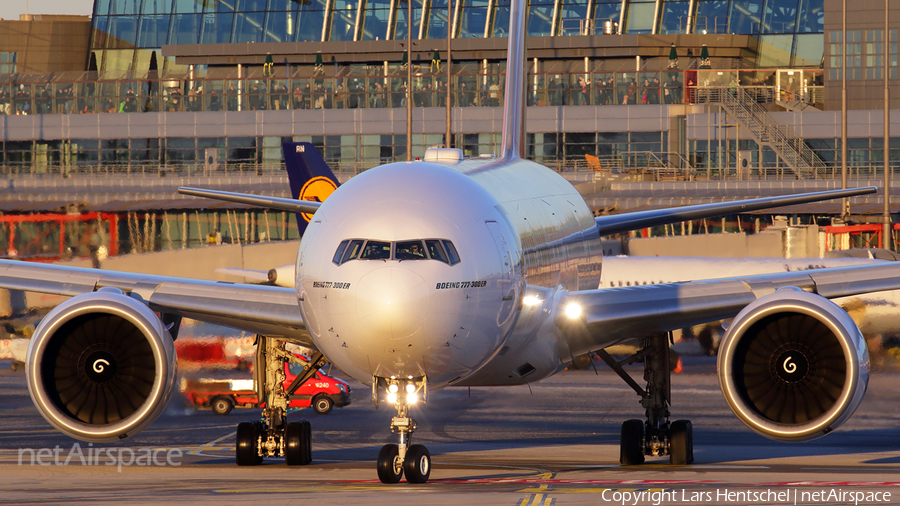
<point>599,318</point>
<point>254,308</point>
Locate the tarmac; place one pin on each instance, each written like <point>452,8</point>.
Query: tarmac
<point>551,443</point>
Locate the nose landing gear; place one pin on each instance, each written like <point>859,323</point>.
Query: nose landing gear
<point>396,459</point>
<point>656,436</point>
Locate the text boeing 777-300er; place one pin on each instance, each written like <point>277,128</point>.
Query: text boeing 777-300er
<point>450,272</point>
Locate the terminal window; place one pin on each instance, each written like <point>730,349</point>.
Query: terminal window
<point>8,63</point>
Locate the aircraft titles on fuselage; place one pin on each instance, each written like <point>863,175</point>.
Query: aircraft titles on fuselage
<point>331,284</point>
<point>449,285</point>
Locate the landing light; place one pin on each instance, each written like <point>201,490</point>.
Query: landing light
<point>411,398</point>
<point>573,310</point>
<point>410,388</point>
<point>392,398</point>
<point>393,388</point>
<point>531,300</point>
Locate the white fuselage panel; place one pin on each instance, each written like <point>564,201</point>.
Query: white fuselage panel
<point>391,317</point>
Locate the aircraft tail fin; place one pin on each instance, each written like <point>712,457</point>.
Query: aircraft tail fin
<point>309,176</point>
<point>513,141</point>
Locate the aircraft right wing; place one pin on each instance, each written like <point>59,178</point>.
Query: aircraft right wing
<point>626,222</point>
<point>606,316</point>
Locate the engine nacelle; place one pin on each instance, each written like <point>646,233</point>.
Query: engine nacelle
<point>793,366</point>
<point>101,366</point>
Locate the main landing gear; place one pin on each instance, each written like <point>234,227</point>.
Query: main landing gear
<point>395,460</point>
<point>274,436</point>
<point>656,436</point>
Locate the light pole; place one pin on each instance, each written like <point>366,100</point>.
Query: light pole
<point>845,203</point>
<point>449,62</point>
<point>409,82</point>
<point>886,235</point>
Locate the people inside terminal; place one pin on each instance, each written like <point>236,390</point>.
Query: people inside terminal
<point>686,71</point>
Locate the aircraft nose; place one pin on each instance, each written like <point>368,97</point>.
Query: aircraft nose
<point>389,302</point>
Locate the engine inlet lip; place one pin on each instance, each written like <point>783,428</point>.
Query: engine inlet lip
<point>137,314</point>
<point>810,305</point>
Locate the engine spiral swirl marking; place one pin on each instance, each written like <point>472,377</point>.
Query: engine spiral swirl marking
<point>792,366</point>
<point>100,366</point>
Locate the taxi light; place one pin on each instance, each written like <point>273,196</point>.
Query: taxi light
<point>411,398</point>
<point>573,310</point>
<point>531,300</point>
<point>410,388</point>
<point>393,388</point>
<point>392,398</point>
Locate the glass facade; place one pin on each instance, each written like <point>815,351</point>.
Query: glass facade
<point>865,54</point>
<point>122,29</point>
<point>8,62</point>
<point>369,87</point>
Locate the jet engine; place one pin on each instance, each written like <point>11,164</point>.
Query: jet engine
<point>793,366</point>
<point>101,366</point>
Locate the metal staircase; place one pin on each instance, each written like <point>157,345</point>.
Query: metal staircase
<point>802,160</point>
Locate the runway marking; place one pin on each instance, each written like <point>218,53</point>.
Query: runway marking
<point>537,500</point>
<point>226,436</point>
<point>599,490</point>
<point>32,431</point>
<point>311,488</point>
<point>543,485</point>
<point>199,452</point>
<point>832,483</point>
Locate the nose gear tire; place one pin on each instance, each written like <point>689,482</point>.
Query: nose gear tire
<point>387,471</point>
<point>417,464</point>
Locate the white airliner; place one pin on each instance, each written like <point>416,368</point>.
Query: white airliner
<point>449,272</point>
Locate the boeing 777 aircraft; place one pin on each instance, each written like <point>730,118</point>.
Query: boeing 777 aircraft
<point>451,272</point>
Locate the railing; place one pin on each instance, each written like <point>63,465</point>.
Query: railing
<point>701,24</point>
<point>656,166</point>
<point>781,138</point>
<point>72,93</point>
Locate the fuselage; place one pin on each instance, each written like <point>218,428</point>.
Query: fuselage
<point>493,233</point>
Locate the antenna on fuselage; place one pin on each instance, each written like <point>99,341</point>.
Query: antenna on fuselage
<point>513,142</point>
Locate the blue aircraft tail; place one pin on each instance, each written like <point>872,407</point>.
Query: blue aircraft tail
<point>309,175</point>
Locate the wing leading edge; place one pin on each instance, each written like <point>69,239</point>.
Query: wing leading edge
<point>626,222</point>
<point>613,315</point>
<point>254,308</point>
<point>290,205</point>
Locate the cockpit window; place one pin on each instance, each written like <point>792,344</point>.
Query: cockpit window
<point>451,252</point>
<point>347,250</point>
<point>376,250</point>
<point>441,250</point>
<point>340,252</point>
<point>353,250</point>
<point>436,250</point>
<point>410,250</point>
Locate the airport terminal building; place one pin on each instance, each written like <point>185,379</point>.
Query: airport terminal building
<point>702,86</point>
